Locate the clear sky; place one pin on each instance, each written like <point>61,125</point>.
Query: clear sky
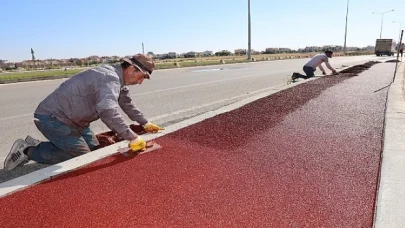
<point>64,29</point>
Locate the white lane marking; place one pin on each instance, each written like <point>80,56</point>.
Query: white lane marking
<point>16,117</point>
<point>206,83</point>
<point>176,112</point>
<point>168,89</point>
<point>205,70</point>
<point>212,103</point>
<point>363,58</point>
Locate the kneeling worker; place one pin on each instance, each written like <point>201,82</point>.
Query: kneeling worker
<point>315,62</point>
<point>64,116</point>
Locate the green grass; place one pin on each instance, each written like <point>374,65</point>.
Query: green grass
<point>38,74</point>
<point>4,77</point>
<point>169,65</point>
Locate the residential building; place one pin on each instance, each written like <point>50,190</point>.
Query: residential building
<point>240,52</point>
<point>207,53</point>
<point>190,54</point>
<point>171,55</point>
<point>2,62</point>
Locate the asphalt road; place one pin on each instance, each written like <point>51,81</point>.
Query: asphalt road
<point>171,96</point>
<point>308,156</point>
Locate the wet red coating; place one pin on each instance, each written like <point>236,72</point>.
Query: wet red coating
<point>110,137</point>
<point>355,70</point>
<point>304,157</point>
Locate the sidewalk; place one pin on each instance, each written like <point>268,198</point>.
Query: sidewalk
<point>307,156</point>
<point>390,211</point>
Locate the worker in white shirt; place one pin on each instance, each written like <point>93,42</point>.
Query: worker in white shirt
<point>315,62</point>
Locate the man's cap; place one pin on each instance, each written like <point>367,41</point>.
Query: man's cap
<point>143,62</point>
<point>329,51</point>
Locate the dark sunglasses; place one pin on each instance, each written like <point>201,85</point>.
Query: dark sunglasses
<point>145,75</point>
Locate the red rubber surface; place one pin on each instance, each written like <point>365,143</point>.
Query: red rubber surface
<point>304,157</point>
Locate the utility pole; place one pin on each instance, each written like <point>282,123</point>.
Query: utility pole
<point>400,42</point>
<point>249,34</point>
<point>382,19</point>
<point>400,27</point>
<point>32,54</point>
<point>143,49</point>
<point>347,13</point>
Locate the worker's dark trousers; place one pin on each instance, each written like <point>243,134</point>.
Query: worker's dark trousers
<point>309,71</point>
<point>65,141</point>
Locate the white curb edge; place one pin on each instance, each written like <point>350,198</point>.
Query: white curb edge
<point>390,199</point>
<point>39,176</point>
<point>53,171</point>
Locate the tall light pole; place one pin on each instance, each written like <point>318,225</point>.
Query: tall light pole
<point>249,34</point>
<point>347,13</point>
<point>382,18</point>
<point>400,27</point>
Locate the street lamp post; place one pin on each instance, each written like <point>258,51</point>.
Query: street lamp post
<point>347,12</point>
<point>400,27</point>
<point>249,34</point>
<point>382,18</point>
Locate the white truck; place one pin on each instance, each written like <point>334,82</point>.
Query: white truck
<point>385,47</point>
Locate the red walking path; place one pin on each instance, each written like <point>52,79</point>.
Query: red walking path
<point>307,156</point>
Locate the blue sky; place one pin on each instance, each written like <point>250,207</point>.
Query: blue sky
<point>64,29</point>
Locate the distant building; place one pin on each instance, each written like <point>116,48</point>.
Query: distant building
<point>370,48</point>
<point>190,54</point>
<point>207,53</point>
<point>223,53</point>
<point>274,50</point>
<point>311,49</point>
<point>171,55</point>
<point>2,62</point>
<point>151,54</point>
<point>240,52</point>
<point>94,59</point>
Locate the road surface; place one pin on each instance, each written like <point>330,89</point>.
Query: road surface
<point>308,156</point>
<point>171,96</point>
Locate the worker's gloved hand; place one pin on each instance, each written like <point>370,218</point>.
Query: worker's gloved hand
<point>334,71</point>
<point>137,144</point>
<point>152,128</point>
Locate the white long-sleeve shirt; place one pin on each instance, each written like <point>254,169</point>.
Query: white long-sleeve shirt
<point>317,61</point>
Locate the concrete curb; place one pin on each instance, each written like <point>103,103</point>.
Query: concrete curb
<point>53,171</point>
<point>390,202</point>
<point>39,176</point>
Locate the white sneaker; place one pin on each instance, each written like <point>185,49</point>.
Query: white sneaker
<point>16,156</point>
<point>32,141</point>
